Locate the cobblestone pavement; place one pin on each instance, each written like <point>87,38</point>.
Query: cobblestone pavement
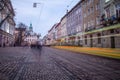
<point>23,63</point>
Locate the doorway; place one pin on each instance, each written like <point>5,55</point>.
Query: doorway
<point>91,41</point>
<point>112,42</point>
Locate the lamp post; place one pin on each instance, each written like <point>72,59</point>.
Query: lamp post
<point>35,6</point>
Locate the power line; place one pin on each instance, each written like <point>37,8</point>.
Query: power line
<point>42,5</point>
<point>41,8</point>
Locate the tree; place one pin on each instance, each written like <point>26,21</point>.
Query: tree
<point>21,28</point>
<point>39,35</point>
<point>22,25</point>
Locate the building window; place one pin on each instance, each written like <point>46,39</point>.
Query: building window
<point>97,21</point>
<point>85,4</point>
<point>107,12</point>
<point>92,9</point>
<point>97,6</point>
<point>89,1</point>
<point>118,10</point>
<point>92,22</point>
<point>85,15</point>
<point>88,11</point>
<point>112,31</point>
<point>89,24</point>
<point>99,38</point>
<point>85,26</point>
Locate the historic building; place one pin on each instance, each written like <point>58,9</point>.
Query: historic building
<point>112,17</point>
<point>58,31</point>
<point>44,40</point>
<point>63,30</point>
<point>112,8</point>
<point>101,18</point>
<point>91,19</point>
<point>74,24</point>
<point>31,37</point>
<point>91,23</point>
<point>52,35</point>
<point>7,23</point>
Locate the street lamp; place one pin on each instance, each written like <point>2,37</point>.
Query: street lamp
<point>35,4</point>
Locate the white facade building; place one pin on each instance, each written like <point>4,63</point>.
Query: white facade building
<point>31,37</point>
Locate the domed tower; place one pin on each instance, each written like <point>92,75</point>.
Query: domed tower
<point>31,28</point>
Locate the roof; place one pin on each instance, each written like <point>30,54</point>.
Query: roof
<point>54,26</point>
<point>57,25</point>
<point>72,9</point>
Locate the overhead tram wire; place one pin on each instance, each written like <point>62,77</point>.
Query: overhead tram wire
<point>41,8</point>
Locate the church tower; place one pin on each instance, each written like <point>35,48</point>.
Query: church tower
<point>31,28</point>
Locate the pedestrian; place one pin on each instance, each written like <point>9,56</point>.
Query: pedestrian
<point>3,44</point>
<point>14,45</point>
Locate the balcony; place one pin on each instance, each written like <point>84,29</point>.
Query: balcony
<point>106,22</point>
<point>89,28</point>
<point>115,26</point>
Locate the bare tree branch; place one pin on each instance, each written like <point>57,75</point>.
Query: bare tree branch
<point>2,8</point>
<point>1,23</point>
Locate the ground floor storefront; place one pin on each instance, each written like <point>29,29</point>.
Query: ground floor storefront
<point>105,38</point>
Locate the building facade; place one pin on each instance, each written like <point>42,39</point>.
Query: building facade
<point>91,19</point>
<point>101,23</point>
<point>57,33</point>
<point>74,24</point>
<point>63,30</point>
<point>112,15</point>
<point>7,23</point>
<point>91,23</point>
<point>31,37</point>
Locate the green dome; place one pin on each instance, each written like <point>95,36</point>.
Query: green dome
<point>30,26</point>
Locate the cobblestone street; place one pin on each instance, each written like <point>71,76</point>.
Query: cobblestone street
<point>23,63</point>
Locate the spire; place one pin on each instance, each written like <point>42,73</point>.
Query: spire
<point>31,28</point>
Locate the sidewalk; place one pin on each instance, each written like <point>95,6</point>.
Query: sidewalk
<point>105,52</point>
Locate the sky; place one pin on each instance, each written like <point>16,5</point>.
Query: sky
<point>44,16</point>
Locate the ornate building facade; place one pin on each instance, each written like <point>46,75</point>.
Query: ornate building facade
<point>31,37</point>
<point>7,23</point>
<point>91,23</point>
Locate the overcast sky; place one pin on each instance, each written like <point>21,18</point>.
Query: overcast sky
<point>47,13</point>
